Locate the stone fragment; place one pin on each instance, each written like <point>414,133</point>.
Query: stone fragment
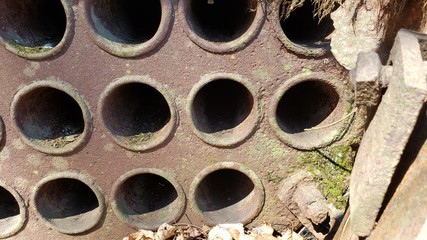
<point>365,79</point>
<point>301,196</point>
<point>405,216</point>
<point>311,202</point>
<point>388,133</point>
<point>357,30</point>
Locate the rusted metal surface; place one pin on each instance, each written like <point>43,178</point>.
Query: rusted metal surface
<point>103,115</point>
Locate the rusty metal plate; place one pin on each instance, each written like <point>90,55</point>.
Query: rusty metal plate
<point>123,114</point>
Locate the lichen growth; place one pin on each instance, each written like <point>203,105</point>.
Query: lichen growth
<point>261,73</point>
<point>273,178</point>
<point>270,146</point>
<point>287,67</point>
<point>212,160</point>
<point>307,70</point>
<point>331,168</point>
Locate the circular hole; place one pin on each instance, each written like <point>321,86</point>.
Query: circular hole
<point>137,115</point>
<point>145,199</point>
<point>145,193</point>
<point>302,28</point>
<point>221,105</point>
<point>68,205</point>
<point>126,21</point>
<point>311,111</point>
<point>224,109</point>
<point>32,26</point>
<point>228,195</point>
<point>305,105</point>
<point>9,207</point>
<point>49,118</point>
<point>222,189</point>
<point>128,28</point>
<point>12,213</point>
<point>221,20</point>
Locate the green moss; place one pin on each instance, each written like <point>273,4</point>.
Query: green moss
<point>27,50</point>
<point>330,167</point>
<point>139,138</point>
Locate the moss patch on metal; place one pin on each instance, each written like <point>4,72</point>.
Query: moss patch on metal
<point>140,138</point>
<point>273,177</point>
<point>28,50</point>
<point>331,167</point>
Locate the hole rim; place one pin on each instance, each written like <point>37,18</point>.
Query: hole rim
<point>23,211</point>
<point>127,50</point>
<point>178,205</point>
<point>1,132</point>
<point>259,191</point>
<point>86,180</point>
<point>292,46</point>
<point>222,47</point>
<point>245,129</point>
<point>71,92</point>
<point>66,38</point>
<point>163,135</point>
<point>318,138</point>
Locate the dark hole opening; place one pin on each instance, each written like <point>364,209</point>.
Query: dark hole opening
<point>47,113</point>
<point>223,188</point>
<point>305,233</point>
<point>303,28</point>
<point>127,21</point>
<point>323,227</point>
<point>145,193</point>
<point>221,20</point>
<point>8,205</point>
<point>33,23</point>
<point>135,109</point>
<point>306,105</point>
<point>221,105</point>
<point>66,197</point>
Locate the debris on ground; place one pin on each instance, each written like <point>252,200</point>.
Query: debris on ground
<point>218,232</point>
